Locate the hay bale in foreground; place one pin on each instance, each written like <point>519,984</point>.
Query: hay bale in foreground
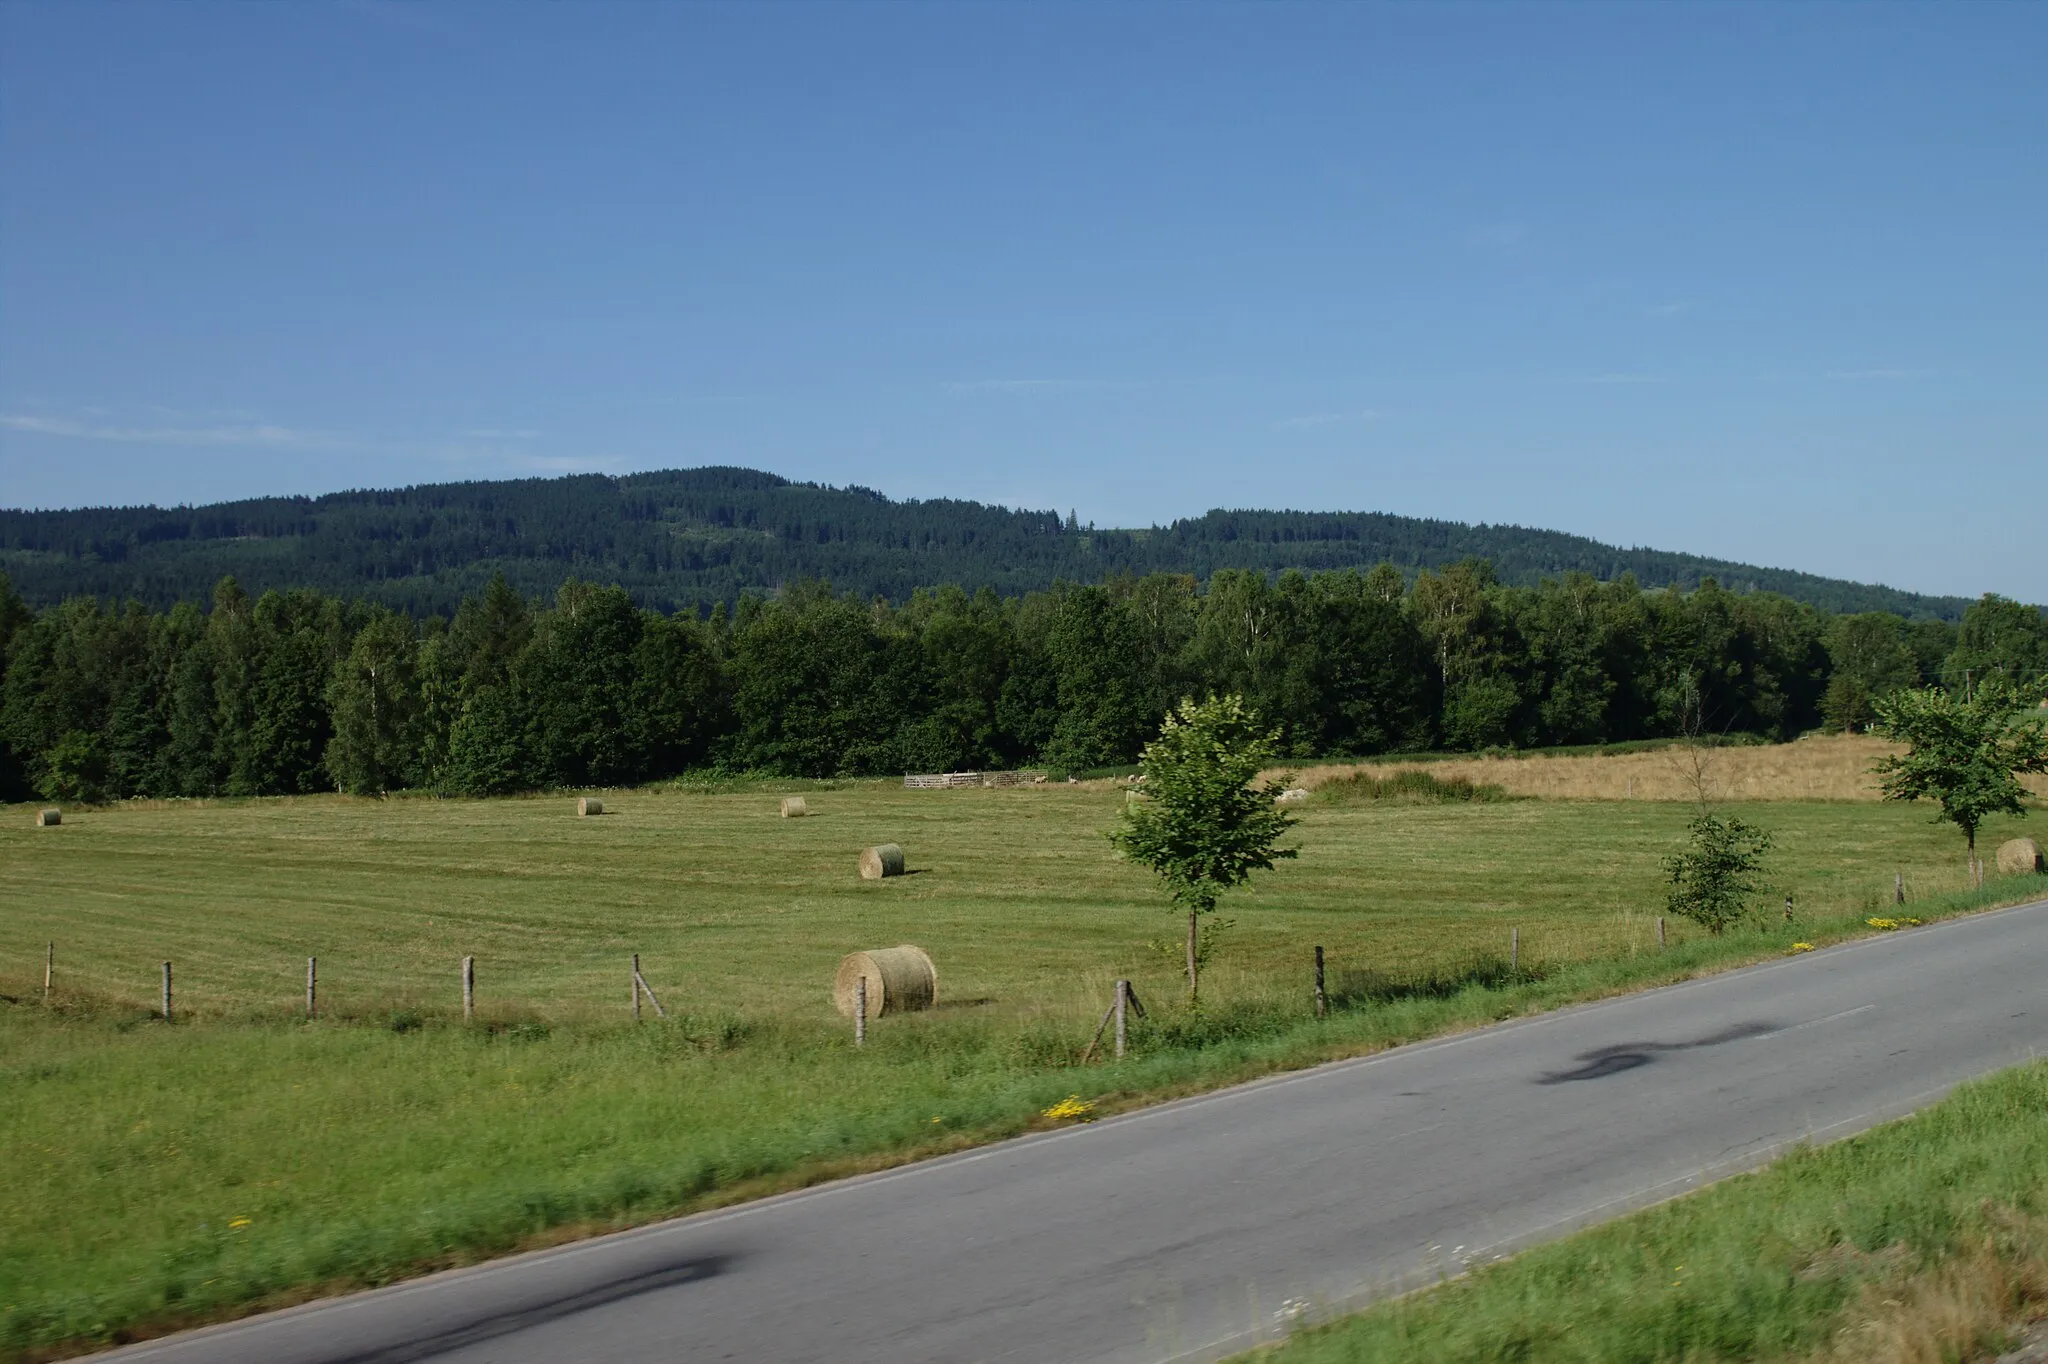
<point>881,861</point>
<point>793,807</point>
<point>49,818</point>
<point>900,980</point>
<point>2018,856</point>
<point>588,805</point>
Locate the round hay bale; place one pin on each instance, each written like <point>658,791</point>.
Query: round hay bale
<point>48,818</point>
<point>900,980</point>
<point>881,861</point>
<point>589,805</point>
<point>2018,856</point>
<point>793,807</point>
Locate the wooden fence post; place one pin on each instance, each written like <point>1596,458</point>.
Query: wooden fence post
<point>1898,888</point>
<point>860,1011</point>
<point>167,992</point>
<point>1660,932</point>
<point>1322,1000</point>
<point>312,984</point>
<point>468,988</point>
<point>641,987</point>
<point>1123,1000</point>
<point>49,968</point>
<point>1514,951</point>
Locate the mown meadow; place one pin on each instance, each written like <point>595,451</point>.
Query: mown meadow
<point>242,1156</point>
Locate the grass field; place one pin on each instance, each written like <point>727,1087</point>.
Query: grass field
<point>241,1156</point>
<point>1924,1241</point>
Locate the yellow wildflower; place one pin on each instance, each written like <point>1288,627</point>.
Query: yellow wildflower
<point>1072,1106</point>
<point>238,1223</point>
<point>1802,947</point>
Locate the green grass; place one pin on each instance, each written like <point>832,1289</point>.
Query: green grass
<point>388,1137</point>
<point>1924,1239</point>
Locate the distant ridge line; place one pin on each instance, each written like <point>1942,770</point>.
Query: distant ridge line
<point>681,538</point>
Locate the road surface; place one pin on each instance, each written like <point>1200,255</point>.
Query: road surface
<point>1201,1227</point>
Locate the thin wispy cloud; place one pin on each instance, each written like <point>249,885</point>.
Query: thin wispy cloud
<point>1498,236</point>
<point>1879,373</point>
<point>174,427</point>
<point>1019,385</point>
<point>190,416</point>
<point>231,434</point>
<point>1314,420</point>
<point>1619,379</point>
<point>1668,310</point>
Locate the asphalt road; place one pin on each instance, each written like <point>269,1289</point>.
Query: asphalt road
<point>1200,1227</point>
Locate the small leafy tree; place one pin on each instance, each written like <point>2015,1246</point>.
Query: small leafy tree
<point>1846,704</point>
<point>1965,752</point>
<point>1203,825</point>
<point>374,697</point>
<point>487,750</point>
<point>76,769</point>
<point>1712,880</point>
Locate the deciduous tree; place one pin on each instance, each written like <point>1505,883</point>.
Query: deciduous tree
<point>374,698</point>
<point>1712,880</point>
<point>1966,752</point>
<point>1205,824</point>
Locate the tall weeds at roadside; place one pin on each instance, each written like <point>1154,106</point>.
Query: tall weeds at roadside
<point>1967,1304</point>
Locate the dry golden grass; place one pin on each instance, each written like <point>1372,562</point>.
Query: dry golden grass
<point>1830,767</point>
<point>1963,1308</point>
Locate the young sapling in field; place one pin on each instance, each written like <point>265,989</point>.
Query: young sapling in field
<point>1714,878</point>
<point>1205,825</point>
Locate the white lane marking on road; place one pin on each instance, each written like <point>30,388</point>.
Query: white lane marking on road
<point>1814,1022</point>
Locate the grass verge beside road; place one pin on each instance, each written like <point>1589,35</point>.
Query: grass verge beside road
<point>1920,1241</point>
<point>242,1157</point>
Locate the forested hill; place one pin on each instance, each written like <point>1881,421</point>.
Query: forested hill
<point>697,536</point>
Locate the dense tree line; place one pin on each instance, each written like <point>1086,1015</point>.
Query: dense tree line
<point>298,691</point>
<point>688,539</point>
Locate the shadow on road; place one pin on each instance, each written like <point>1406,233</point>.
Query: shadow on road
<point>1606,1061</point>
<point>547,1310</point>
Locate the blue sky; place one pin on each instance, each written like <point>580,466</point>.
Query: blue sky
<point>1765,282</point>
